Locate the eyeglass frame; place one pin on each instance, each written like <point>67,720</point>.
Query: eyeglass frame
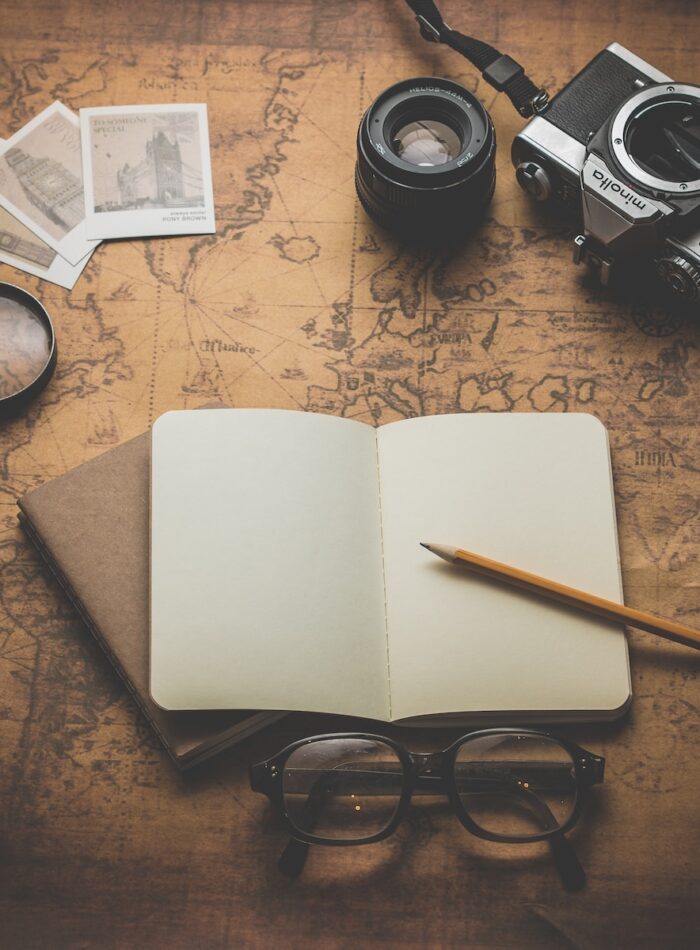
<point>267,778</point>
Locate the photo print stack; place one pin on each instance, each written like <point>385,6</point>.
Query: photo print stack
<point>68,183</point>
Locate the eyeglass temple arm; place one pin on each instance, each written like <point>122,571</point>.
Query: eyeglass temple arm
<point>293,858</point>
<point>571,873</point>
<point>569,868</point>
<point>291,861</point>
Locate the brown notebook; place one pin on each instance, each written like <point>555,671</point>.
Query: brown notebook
<point>92,527</point>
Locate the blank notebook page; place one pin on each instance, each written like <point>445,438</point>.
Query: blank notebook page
<point>532,490</point>
<point>266,577</point>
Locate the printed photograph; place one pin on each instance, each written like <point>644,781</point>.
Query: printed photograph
<point>146,160</point>
<point>147,170</point>
<point>22,249</point>
<point>19,246</point>
<point>41,174</point>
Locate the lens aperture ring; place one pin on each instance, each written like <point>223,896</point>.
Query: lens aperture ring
<point>440,218</point>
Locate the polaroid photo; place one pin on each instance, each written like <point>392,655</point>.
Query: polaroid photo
<point>147,171</point>
<point>22,249</point>
<point>41,181</point>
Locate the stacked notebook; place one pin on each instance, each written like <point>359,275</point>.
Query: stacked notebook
<point>92,527</point>
<point>286,571</point>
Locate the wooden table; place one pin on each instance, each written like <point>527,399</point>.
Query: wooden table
<point>103,843</point>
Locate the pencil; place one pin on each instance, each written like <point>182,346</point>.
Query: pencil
<point>570,596</point>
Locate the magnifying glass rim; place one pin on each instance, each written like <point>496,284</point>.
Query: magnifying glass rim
<point>10,404</point>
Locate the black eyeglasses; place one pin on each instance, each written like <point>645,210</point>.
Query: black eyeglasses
<point>511,785</point>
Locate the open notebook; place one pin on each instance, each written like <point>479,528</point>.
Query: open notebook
<point>286,570</point>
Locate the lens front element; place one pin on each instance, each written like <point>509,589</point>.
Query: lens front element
<point>516,785</point>
<point>426,142</point>
<point>342,789</point>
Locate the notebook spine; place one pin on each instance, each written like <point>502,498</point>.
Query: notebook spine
<point>381,541</point>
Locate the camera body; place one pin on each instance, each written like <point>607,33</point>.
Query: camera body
<point>620,144</point>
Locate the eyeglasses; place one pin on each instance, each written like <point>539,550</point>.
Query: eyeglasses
<point>510,785</point>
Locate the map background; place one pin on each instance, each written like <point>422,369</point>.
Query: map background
<point>299,301</point>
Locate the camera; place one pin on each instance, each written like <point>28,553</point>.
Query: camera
<point>621,144</point>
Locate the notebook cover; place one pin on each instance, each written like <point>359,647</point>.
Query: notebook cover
<point>92,527</point>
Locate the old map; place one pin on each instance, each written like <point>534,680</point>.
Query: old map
<point>300,302</point>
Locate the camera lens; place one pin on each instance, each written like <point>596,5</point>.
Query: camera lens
<point>426,159</point>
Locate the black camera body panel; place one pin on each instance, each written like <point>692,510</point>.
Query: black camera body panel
<point>591,97</point>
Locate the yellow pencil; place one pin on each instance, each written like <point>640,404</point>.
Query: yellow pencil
<point>570,596</point>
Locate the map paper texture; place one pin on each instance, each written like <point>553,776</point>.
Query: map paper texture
<point>286,570</point>
<point>302,302</point>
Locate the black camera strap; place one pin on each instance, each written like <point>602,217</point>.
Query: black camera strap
<point>502,72</point>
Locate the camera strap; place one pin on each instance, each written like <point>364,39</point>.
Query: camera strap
<point>502,72</point>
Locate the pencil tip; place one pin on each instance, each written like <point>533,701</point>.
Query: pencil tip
<point>424,545</point>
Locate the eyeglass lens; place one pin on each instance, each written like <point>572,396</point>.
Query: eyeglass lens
<point>342,788</point>
<point>510,784</point>
<point>515,785</point>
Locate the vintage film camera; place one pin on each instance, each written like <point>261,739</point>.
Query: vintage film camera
<point>623,138</point>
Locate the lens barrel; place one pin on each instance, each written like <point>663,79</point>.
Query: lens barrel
<point>426,153</point>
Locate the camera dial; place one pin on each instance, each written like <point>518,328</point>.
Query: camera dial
<point>426,158</point>
<point>533,178</point>
<point>680,276</point>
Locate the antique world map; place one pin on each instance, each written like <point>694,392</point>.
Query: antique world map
<point>300,302</point>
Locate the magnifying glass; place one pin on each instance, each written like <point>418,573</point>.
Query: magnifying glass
<point>27,348</point>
